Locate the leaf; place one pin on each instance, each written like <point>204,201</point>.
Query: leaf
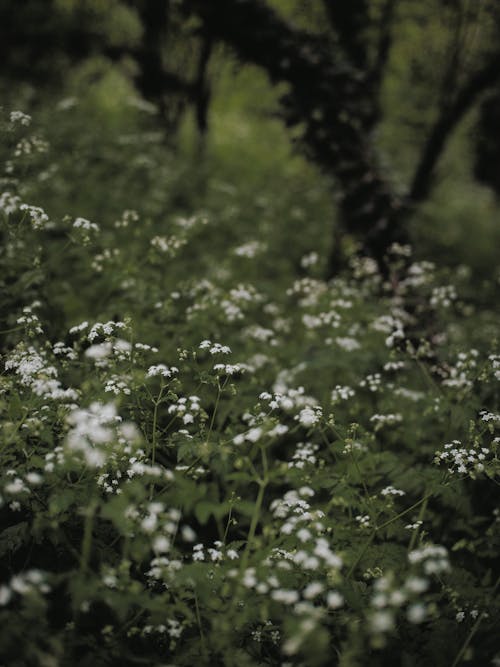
<point>240,477</point>
<point>14,537</point>
<point>61,501</point>
<point>204,510</point>
<point>244,507</point>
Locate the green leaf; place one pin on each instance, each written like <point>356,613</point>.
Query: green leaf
<point>14,537</point>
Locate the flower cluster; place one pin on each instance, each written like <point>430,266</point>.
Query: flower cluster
<point>462,460</point>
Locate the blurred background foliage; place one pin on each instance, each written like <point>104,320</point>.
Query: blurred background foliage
<point>145,108</point>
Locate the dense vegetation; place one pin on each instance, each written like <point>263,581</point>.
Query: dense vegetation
<point>213,452</point>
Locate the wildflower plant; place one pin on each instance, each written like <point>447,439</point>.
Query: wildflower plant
<point>214,470</point>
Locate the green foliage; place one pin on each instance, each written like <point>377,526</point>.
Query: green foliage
<point>210,455</point>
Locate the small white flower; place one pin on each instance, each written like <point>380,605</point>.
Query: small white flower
<point>285,596</point>
<point>162,370</point>
<point>334,600</point>
<point>382,621</point>
<point>416,613</point>
<point>312,590</point>
<point>161,544</point>
<point>20,118</point>
<point>5,595</point>
<point>309,416</point>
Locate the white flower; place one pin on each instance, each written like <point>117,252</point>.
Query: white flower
<point>188,534</point>
<point>79,328</point>
<point>334,600</point>
<point>227,369</point>
<point>249,249</point>
<point>16,486</point>
<point>312,590</point>
<point>304,534</point>
<point>342,393</point>
<point>285,596</point>
<point>348,344</point>
<point>391,491</point>
<point>162,370</point>
<point>9,203</point>
<point>20,118</point>
<point>309,416</point>
<point>161,544</point>
<point>5,595</point>
<point>39,219</point>
<point>416,613</point>
<point>83,223</point>
<point>214,348</point>
<point>254,434</point>
<point>309,260</point>
<point>382,621</point>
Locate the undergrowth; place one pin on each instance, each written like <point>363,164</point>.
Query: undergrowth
<point>205,464</point>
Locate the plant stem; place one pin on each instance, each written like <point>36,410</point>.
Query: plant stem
<point>87,536</point>
<point>262,482</point>
<point>421,514</point>
<point>212,420</point>
<point>473,630</point>
<point>12,435</point>
<point>361,553</point>
<point>362,480</point>
<point>6,331</point>
<point>383,525</point>
<point>253,523</point>
<point>155,424</point>
<point>408,509</point>
<point>200,627</point>
<point>228,523</point>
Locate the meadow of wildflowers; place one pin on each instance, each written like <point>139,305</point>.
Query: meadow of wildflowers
<point>204,463</point>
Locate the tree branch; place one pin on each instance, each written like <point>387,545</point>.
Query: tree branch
<point>336,104</point>
<point>349,19</point>
<point>447,121</point>
<point>384,42</point>
<point>328,98</point>
<point>201,87</point>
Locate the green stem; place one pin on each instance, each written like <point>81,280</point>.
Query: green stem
<point>362,479</point>
<point>155,425</point>
<point>87,536</point>
<point>228,523</point>
<point>328,445</point>
<point>384,525</point>
<point>200,627</point>
<point>430,381</point>
<point>421,514</point>
<point>401,514</point>
<point>262,482</point>
<point>6,331</point>
<point>253,523</point>
<point>212,420</point>
<point>473,630</point>
<point>12,435</point>
<point>361,553</point>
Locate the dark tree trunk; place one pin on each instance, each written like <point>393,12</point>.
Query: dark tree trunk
<point>154,19</point>
<point>487,144</point>
<point>333,94</point>
<point>449,116</point>
<point>201,88</point>
<point>335,102</point>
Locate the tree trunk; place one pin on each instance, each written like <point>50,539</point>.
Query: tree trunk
<point>335,103</point>
<point>333,94</point>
